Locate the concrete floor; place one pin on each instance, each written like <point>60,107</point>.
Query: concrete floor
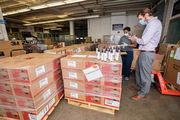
<point>155,107</point>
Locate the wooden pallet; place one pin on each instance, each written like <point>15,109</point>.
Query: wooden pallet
<point>44,118</point>
<point>92,106</point>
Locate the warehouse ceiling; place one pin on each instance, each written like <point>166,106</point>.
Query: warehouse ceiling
<point>35,11</point>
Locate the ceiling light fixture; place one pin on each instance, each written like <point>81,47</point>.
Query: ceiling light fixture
<point>47,5</point>
<point>62,20</point>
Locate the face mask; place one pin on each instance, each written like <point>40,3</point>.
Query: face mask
<point>142,22</point>
<point>126,34</point>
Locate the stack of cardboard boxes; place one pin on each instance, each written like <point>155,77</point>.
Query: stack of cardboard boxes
<point>90,80</point>
<point>69,50</point>
<point>30,84</point>
<point>7,46</point>
<point>157,64</point>
<point>172,70</point>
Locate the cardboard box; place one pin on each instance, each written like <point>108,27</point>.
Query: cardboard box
<point>6,88</point>
<point>56,51</point>
<point>37,101</point>
<point>73,75</point>
<point>93,89</point>
<point>13,113</point>
<point>112,68</point>
<point>75,85</point>
<point>136,53</point>
<point>8,100</point>
<point>113,81</point>
<point>40,113</point>
<point>31,90</point>
<point>2,112</point>
<point>72,94</point>
<point>47,41</point>
<point>158,62</point>
<point>172,70</point>
<point>115,103</point>
<point>111,92</point>
<point>62,44</point>
<point>94,99</point>
<point>7,46</point>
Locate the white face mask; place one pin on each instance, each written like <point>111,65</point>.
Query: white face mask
<point>126,34</point>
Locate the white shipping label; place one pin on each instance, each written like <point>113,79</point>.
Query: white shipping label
<point>92,73</point>
<point>178,78</point>
<point>172,52</point>
<point>83,56</point>
<point>71,64</point>
<point>42,113</point>
<point>63,52</point>
<point>177,54</point>
<point>51,103</point>
<point>112,103</point>
<point>59,53</point>
<point>92,56</point>
<point>73,85</point>
<point>74,95</point>
<point>47,94</point>
<point>43,82</point>
<point>40,70</point>
<point>78,49</point>
<point>32,117</point>
<point>72,75</point>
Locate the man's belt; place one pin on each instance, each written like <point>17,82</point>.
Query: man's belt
<point>147,51</point>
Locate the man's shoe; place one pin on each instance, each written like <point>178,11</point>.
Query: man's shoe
<point>137,97</point>
<point>126,78</point>
<point>134,88</point>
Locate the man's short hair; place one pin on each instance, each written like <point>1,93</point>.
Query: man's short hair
<point>127,28</point>
<point>144,11</point>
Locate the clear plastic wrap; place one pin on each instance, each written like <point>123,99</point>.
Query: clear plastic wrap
<point>28,83</point>
<point>109,39</point>
<point>91,80</point>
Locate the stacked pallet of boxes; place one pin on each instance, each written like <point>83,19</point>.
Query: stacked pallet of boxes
<point>92,81</point>
<point>69,50</point>
<point>30,85</point>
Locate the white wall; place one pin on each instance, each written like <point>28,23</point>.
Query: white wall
<point>103,26</point>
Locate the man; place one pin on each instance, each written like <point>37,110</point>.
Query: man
<point>147,45</point>
<point>126,59</point>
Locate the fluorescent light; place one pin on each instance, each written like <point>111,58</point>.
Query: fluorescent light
<point>42,6</point>
<point>62,16</point>
<point>55,4</point>
<point>38,7</point>
<point>62,20</point>
<point>23,10</point>
<point>72,1</point>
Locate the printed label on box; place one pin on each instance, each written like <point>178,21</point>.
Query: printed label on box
<point>40,70</point>
<point>177,55</point>
<point>92,56</point>
<point>43,82</point>
<point>93,73</point>
<point>59,53</point>
<point>172,53</point>
<point>112,103</point>
<point>83,56</point>
<point>63,52</point>
<point>71,64</point>
<point>42,113</point>
<point>78,50</point>
<point>74,95</point>
<point>51,102</point>
<point>50,52</point>
<point>32,117</point>
<point>178,78</point>
<point>47,94</point>
<point>73,85</point>
<point>72,75</point>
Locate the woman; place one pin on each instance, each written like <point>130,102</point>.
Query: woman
<point>128,48</point>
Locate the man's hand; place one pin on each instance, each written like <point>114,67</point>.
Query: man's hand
<point>133,39</point>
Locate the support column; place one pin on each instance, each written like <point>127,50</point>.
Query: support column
<point>71,25</point>
<point>3,32</point>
